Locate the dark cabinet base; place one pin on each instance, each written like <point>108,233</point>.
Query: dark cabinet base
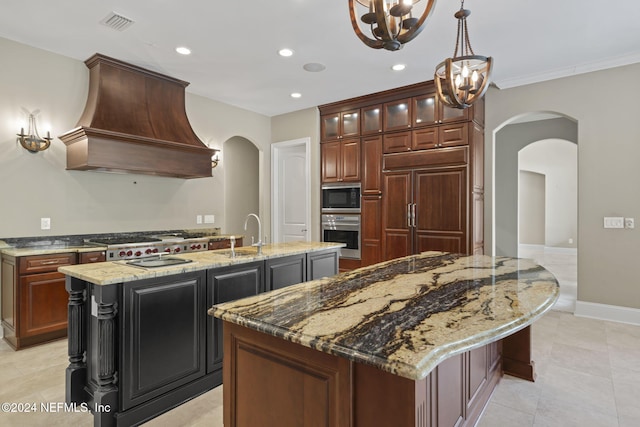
<point>267,377</point>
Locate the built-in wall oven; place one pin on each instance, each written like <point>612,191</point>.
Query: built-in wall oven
<point>341,197</point>
<point>343,229</point>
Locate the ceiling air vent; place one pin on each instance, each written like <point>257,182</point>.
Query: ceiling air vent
<point>116,22</point>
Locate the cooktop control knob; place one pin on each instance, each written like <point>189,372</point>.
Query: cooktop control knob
<point>177,250</point>
<point>129,253</point>
<point>121,253</point>
<point>168,250</point>
<point>148,251</point>
<point>138,253</point>
<point>155,250</point>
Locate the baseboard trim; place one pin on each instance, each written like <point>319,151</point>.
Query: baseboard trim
<point>613,313</point>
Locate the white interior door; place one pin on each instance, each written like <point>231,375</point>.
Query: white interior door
<point>291,184</point>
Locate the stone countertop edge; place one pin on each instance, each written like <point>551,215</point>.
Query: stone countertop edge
<point>412,361</point>
<point>111,272</point>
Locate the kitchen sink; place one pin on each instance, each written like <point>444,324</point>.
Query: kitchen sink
<point>162,261</point>
<point>241,252</point>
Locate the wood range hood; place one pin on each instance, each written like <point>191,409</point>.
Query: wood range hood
<point>135,122</point>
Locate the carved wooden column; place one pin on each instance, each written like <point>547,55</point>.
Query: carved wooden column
<point>105,397</point>
<point>76,373</point>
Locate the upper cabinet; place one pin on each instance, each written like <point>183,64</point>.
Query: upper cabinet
<point>428,111</point>
<point>397,115</point>
<point>340,161</point>
<point>371,120</point>
<point>336,126</point>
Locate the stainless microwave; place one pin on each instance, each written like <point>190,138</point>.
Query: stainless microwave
<point>342,197</point>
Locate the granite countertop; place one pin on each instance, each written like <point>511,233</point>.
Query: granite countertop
<point>44,246</point>
<point>404,316</point>
<point>106,273</point>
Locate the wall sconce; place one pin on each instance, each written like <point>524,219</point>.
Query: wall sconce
<point>32,141</point>
<point>214,160</point>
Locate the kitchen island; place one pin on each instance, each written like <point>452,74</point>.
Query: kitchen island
<point>416,341</point>
<point>140,340</point>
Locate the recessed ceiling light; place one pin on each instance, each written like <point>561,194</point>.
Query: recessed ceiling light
<point>296,95</point>
<point>314,67</point>
<point>183,50</point>
<point>398,67</point>
<point>285,52</point>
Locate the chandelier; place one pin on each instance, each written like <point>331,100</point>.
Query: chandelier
<point>463,79</point>
<point>391,23</point>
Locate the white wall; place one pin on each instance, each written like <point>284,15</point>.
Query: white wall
<point>82,202</point>
<point>531,208</point>
<point>557,160</point>
<point>609,149</point>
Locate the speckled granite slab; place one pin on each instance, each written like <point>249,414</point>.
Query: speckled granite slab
<point>107,273</point>
<point>407,315</point>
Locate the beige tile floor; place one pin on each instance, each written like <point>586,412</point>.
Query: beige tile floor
<point>588,376</point>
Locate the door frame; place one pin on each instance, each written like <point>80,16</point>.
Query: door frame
<point>277,149</point>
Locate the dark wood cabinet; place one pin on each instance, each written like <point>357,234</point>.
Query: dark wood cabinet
<point>34,299</point>
<point>371,121</point>
<point>224,243</point>
<point>340,161</point>
<point>418,133</point>
<point>371,148</point>
<point>285,271</point>
<point>90,257</point>
<point>397,115</point>
<point>425,209</point>
<point>164,343</point>
<point>309,387</point>
<point>229,284</point>
<point>336,126</point>
<point>428,110</point>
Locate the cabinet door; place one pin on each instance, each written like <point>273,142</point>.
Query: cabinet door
<point>286,271</point>
<point>425,110</point>
<point>441,210</point>
<point>396,198</point>
<point>453,135</point>
<point>371,120</point>
<point>229,284</point>
<point>330,127</point>
<point>163,345</point>
<point>448,114</point>
<point>350,160</point>
<point>397,115</point>
<point>477,375</point>
<point>371,233</point>
<point>43,304</point>
<point>396,142</point>
<point>322,264</point>
<point>350,124</point>
<point>371,165</point>
<point>331,158</point>
<point>425,138</point>
<point>448,390</point>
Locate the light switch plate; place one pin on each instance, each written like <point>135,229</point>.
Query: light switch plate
<point>209,219</point>
<point>45,223</point>
<point>198,219</point>
<point>613,222</point>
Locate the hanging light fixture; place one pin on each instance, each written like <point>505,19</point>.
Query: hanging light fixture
<point>463,79</point>
<point>391,23</point>
<point>32,141</point>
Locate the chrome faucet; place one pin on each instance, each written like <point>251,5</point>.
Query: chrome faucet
<point>258,244</point>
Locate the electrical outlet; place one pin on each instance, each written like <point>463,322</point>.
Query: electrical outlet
<point>629,223</point>
<point>209,219</point>
<point>613,222</point>
<point>45,223</point>
<point>198,219</point>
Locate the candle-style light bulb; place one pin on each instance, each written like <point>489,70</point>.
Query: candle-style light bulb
<point>465,71</point>
<point>474,76</point>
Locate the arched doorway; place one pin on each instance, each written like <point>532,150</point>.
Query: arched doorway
<point>538,135</point>
<point>241,186</point>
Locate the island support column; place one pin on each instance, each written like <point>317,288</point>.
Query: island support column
<point>76,373</point>
<point>516,355</point>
